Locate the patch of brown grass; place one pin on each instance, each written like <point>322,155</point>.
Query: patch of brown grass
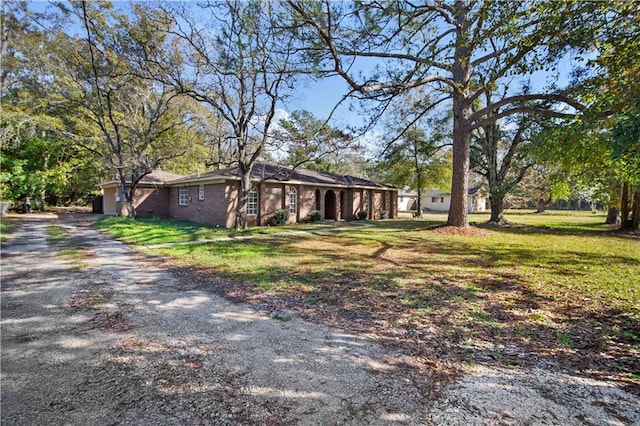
<point>467,231</point>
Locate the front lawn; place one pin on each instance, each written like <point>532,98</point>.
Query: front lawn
<point>155,230</point>
<point>557,288</point>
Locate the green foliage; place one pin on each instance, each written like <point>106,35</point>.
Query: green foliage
<point>38,159</point>
<point>314,216</point>
<point>362,215</point>
<point>625,144</point>
<point>279,218</point>
<point>314,144</point>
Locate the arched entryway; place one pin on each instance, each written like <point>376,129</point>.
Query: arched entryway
<point>330,205</point>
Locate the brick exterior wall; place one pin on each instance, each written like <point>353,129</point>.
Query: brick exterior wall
<point>220,200</point>
<point>151,202</point>
<point>215,209</point>
<point>147,202</point>
<point>306,201</point>
<point>271,199</point>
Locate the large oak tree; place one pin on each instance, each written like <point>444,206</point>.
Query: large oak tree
<point>464,48</point>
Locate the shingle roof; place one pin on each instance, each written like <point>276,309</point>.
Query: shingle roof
<point>156,177</point>
<point>285,174</point>
<point>159,176</point>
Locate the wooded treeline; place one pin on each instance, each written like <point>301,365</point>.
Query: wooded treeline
<point>542,95</point>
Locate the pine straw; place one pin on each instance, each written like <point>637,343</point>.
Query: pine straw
<point>467,231</point>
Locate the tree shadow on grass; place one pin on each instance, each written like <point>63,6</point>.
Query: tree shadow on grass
<point>447,300</point>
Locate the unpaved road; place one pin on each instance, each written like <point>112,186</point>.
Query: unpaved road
<point>107,339</point>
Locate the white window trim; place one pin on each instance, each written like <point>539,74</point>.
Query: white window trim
<point>293,200</point>
<point>252,205</point>
<point>183,196</point>
<point>201,192</point>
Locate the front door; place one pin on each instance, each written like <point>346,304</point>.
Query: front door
<point>330,205</point>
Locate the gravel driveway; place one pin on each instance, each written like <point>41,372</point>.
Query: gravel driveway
<point>108,338</point>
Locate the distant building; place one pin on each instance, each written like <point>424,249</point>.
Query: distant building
<point>438,201</point>
<point>407,200</point>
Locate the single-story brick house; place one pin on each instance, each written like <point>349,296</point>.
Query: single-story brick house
<point>212,197</point>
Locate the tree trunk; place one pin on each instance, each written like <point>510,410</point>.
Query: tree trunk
<point>497,209</point>
<point>462,110</point>
<point>243,197</point>
<point>541,205</point>
<point>460,180</point>
<point>613,212</point>
<point>613,215</point>
<point>633,223</point>
<point>129,202</point>
<point>624,205</point>
<point>419,186</point>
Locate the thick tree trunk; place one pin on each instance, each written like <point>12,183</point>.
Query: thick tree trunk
<point>126,197</point>
<point>130,202</point>
<point>625,205</point>
<point>243,196</point>
<point>462,110</point>
<point>613,212</point>
<point>541,205</point>
<point>131,211</point>
<point>613,215</point>
<point>497,209</point>
<point>633,223</point>
<point>460,180</point>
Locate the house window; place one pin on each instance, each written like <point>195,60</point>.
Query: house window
<point>183,196</point>
<point>293,200</point>
<point>252,201</point>
<point>201,192</point>
<point>437,199</point>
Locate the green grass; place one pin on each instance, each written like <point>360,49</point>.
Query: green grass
<point>66,248</point>
<point>554,258</point>
<point>55,234</point>
<point>543,282</point>
<point>144,231</point>
<point>5,230</point>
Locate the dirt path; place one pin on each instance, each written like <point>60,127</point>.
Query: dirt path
<point>107,340</point>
